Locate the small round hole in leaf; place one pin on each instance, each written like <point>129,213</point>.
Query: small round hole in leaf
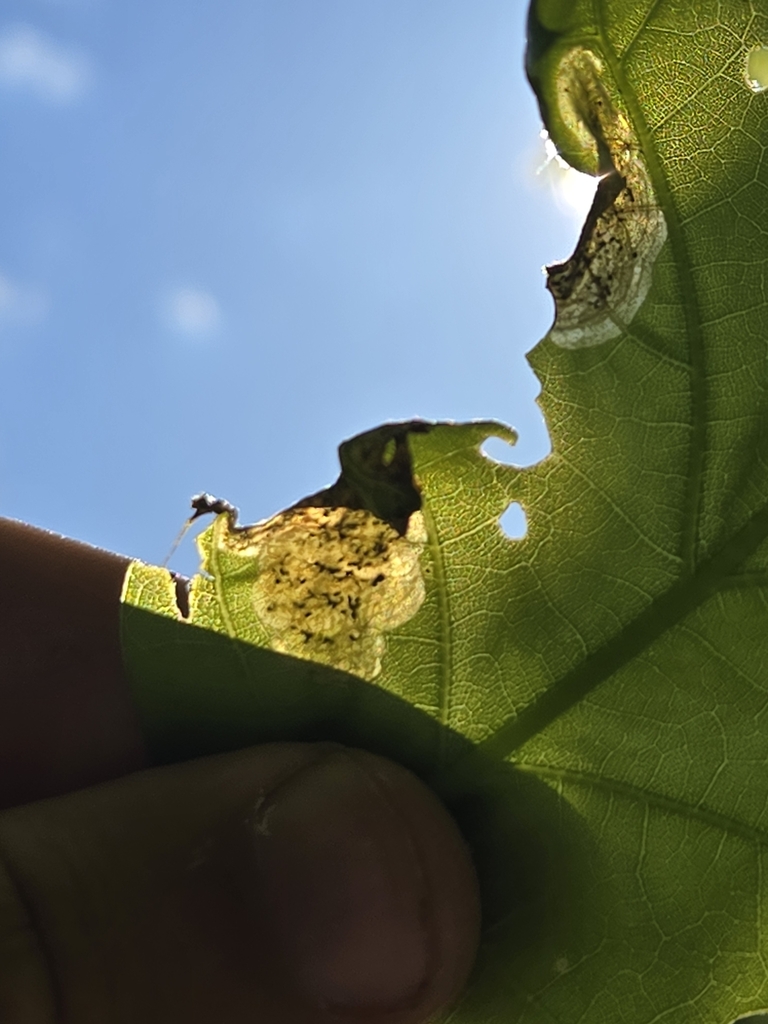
<point>757,69</point>
<point>513,521</point>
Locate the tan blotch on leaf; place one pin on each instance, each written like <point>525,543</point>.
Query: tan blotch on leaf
<point>332,581</point>
<point>599,290</point>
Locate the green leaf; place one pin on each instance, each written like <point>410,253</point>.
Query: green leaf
<point>591,700</point>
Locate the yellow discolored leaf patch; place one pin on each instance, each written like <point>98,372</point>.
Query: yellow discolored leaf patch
<point>325,584</point>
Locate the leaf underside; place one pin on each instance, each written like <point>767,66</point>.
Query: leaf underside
<point>591,700</point>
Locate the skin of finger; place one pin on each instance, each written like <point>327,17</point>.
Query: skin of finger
<point>67,718</point>
<point>447,867</point>
<point>138,892</point>
<point>26,994</point>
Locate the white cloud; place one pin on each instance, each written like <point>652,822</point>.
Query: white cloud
<point>192,311</point>
<point>28,60</point>
<point>20,304</point>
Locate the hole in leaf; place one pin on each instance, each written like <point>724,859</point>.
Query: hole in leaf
<point>513,521</point>
<point>757,75</point>
<point>498,450</point>
<point>757,1017</point>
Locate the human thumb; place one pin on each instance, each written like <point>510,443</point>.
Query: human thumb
<point>286,883</point>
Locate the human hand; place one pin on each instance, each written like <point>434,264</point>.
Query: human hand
<point>286,883</point>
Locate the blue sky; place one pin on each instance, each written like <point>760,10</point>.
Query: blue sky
<point>235,232</point>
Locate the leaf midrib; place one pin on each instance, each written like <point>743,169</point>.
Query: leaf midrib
<point>651,798</point>
<point>688,294</point>
<point>696,584</point>
<point>661,615</point>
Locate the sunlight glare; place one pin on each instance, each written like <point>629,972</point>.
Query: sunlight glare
<point>573,190</point>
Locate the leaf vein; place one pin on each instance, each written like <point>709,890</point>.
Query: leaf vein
<point>650,798</point>
<point>689,302</point>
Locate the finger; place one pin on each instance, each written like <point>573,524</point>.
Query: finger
<point>288,883</point>
<point>66,714</point>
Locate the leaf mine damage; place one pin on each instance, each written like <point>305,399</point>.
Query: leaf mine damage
<point>332,581</point>
<point>332,575</point>
<point>599,290</point>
